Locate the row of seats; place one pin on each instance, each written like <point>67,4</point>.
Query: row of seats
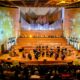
<point>40,72</point>
<point>43,36</point>
<point>43,41</point>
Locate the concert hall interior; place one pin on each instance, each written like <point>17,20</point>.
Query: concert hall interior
<point>39,39</point>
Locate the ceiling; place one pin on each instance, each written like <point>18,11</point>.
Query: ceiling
<point>23,4</point>
<point>40,3</point>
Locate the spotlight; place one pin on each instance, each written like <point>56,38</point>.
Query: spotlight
<point>30,36</point>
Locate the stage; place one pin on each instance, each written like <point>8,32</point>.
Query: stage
<point>41,61</point>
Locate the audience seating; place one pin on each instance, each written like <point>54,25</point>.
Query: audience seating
<point>39,72</point>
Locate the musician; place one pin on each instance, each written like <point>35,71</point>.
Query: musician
<point>62,56</point>
<point>30,56</point>
<point>58,49</point>
<point>56,56</point>
<point>24,54</point>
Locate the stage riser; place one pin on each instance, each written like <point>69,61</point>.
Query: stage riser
<point>41,41</point>
<point>42,33</point>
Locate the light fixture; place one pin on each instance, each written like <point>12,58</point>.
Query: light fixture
<point>30,36</point>
<point>59,2</point>
<point>63,2</point>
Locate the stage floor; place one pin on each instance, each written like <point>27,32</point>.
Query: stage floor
<point>8,58</point>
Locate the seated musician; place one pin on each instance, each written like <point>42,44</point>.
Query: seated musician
<point>15,51</point>
<point>62,56</point>
<point>30,56</point>
<point>24,54</point>
<point>43,53</point>
<point>56,56</point>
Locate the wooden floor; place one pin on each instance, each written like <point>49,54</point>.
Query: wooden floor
<point>6,57</point>
<point>41,41</point>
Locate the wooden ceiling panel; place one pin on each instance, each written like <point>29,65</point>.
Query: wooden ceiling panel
<point>4,3</point>
<point>38,3</point>
<point>19,3</point>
